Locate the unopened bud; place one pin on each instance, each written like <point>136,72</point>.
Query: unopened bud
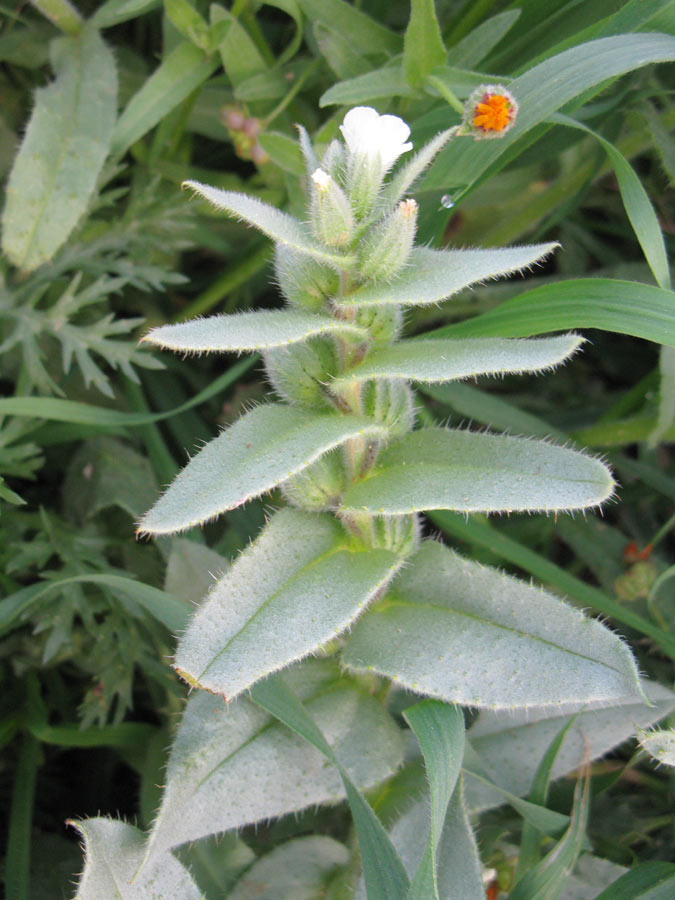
<point>300,371</point>
<point>332,220</point>
<point>334,160</point>
<point>319,486</point>
<point>304,281</point>
<point>386,249</point>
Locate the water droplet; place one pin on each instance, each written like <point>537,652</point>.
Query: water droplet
<point>447,201</point>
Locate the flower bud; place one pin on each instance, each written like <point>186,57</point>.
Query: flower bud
<point>489,112</point>
<point>382,322</point>
<point>320,486</point>
<point>390,402</point>
<point>304,281</point>
<point>298,372</point>
<point>331,215</point>
<point>387,247</point>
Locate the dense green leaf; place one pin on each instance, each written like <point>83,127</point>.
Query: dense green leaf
<point>450,360</point>
<point>473,472</point>
<point>433,275</point>
<point>232,765</point>
<point>489,640</point>
<point>624,306</point>
<point>277,225</point>
<point>180,73</point>
<point>68,137</point>
<point>296,588</point>
<point>283,151</point>
<point>249,331</point>
<point>379,84</point>
<point>423,47</point>
<point>114,12</point>
<point>262,449</point>
<point>113,853</point>
<point>365,33</point>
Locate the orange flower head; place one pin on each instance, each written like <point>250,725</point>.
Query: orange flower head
<point>490,112</point>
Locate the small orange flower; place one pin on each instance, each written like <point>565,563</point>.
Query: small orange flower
<point>493,113</point>
<point>490,112</point>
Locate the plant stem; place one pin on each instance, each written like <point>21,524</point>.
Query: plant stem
<point>449,96</point>
<point>17,866</point>
<point>290,96</point>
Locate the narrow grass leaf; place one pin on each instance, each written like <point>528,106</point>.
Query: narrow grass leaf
<point>439,729</point>
<point>473,48</point>
<point>260,330</point>
<point>294,589</point>
<point>434,275</point>
<point>114,12</point>
<point>366,34</point>
<point>628,307</point>
<point>450,360</point>
<point>179,74</point>
<point>423,47</point>
<point>378,84</point>
<point>385,875</point>
<point>650,881</point>
<point>489,640</point>
<point>66,143</point>
<point>437,468</point>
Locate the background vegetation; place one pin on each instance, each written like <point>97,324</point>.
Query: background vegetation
<point>99,244</point>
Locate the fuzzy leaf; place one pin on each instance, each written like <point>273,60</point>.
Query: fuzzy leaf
<point>67,141</point>
<point>437,468</point>
<point>432,275</point>
<point>512,743</point>
<point>261,450</point>
<point>406,176</point>
<point>478,637</point>
<point>231,765</point>
<point>114,851</point>
<point>448,360</point>
<point>298,869</point>
<point>277,225</point>
<point>660,745</point>
<point>423,47</point>
<point>295,588</point>
<point>259,330</point>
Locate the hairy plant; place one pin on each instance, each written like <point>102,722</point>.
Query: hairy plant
<point>344,572</point>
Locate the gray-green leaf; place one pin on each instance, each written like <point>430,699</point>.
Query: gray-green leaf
<point>277,225</point>
<point>296,588</point>
<point>259,330</point>
<point>477,637</point>
<point>54,176</point>
<point>433,275</point>
<point>450,360</point>
<point>437,468</point>
<point>114,851</point>
<point>231,765</point>
<point>261,450</point>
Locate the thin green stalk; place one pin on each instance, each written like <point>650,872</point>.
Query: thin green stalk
<point>290,96</point>
<point>449,96</point>
<point>61,13</point>
<point>162,461</point>
<point>17,866</point>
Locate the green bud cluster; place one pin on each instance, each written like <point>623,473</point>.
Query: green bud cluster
<point>346,210</point>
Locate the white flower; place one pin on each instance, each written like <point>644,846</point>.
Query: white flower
<point>321,179</point>
<point>368,133</point>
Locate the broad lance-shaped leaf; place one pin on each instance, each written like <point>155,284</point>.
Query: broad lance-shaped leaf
<point>114,852</point>
<point>300,868</point>
<point>295,588</point>
<point>279,226</point>
<point>468,634</point>
<point>512,743</point>
<point>259,330</point>
<point>432,275</point>
<point>66,143</point>
<point>231,765</point>
<point>438,468</point>
<point>449,360</point>
<point>261,450</point>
